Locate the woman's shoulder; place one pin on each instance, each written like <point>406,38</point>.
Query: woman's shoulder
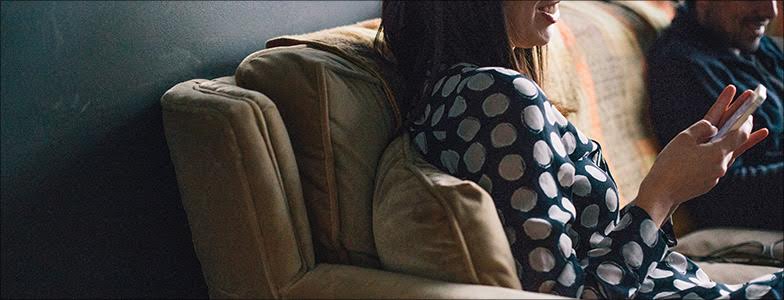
<point>465,78</point>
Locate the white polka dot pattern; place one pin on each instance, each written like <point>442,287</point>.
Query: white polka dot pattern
<point>609,228</point>
<point>677,262</point>
<point>581,186</point>
<point>450,85</point>
<point>590,216</point>
<point>567,204</point>
<point>548,112</point>
<point>595,239</point>
<point>596,173</point>
<point>649,232</point>
<point>598,252</point>
<point>647,286</point>
<point>461,85</point>
<point>557,146</point>
<point>610,273</point>
<point>756,291</point>
<point>605,242</point>
<point>503,135</point>
<point>611,200</point>
<point>547,183</point>
<point>569,142</point>
<point>659,274</point>
<point>625,221</point>
<point>523,199</point>
<point>541,260</point>
<point>542,153</point>
<point>525,87</point>
<point>458,107</point>
<point>449,159</point>
<point>559,215</point>
<point>537,228</point>
<point>567,276</point>
<point>682,285</point>
<point>511,167</point>
<point>652,267</point>
<point>631,293</point>
<point>632,254</point>
<point>703,280</point>
<point>474,157</point>
<point>565,244</point>
<point>495,104</point>
<point>566,175</point>
<point>532,117</point>
<point>480,82</point>
<point>559,118</point>
<point>437,115</point>
<point>468,128</point>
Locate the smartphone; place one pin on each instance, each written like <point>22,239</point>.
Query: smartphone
<point>736,120</point>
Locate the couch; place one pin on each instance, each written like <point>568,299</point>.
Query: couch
<point>278,165</point>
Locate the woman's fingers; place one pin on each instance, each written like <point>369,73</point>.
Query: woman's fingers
<point>734,106</point>
<point>702,131</point>
<point>735,138</point>
<point>719,107</point>
<point>754,138</point>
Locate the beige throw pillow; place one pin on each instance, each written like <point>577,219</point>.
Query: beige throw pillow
<point>431,224</point>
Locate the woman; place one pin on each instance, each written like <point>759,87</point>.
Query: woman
<point>478,114</point>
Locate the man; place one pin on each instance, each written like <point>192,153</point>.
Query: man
<point>709,45</point>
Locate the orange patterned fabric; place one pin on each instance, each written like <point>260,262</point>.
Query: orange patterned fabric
<point>595,64</point>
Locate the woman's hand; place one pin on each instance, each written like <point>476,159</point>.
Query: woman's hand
<point>690,165</point>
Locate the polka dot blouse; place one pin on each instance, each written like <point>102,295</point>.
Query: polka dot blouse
<point>555,196</point>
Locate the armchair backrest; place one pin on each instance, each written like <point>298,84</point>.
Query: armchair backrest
<point>340,118</point>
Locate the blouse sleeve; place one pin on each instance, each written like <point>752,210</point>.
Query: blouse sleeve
<point>502,132</point>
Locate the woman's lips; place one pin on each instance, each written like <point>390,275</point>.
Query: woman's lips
<point>550,12</point>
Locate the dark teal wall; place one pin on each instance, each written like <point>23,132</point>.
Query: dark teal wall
<point>90,206</point>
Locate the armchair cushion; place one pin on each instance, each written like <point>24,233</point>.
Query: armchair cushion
<point>431,224</point>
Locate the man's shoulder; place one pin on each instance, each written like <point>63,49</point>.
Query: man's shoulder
<point>770,46</point>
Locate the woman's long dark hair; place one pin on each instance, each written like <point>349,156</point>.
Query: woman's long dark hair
<point>422,35</point>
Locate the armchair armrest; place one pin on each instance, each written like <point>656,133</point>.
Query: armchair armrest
<point>328,281</point>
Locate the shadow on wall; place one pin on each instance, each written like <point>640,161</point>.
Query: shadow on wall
<point>90,206</point>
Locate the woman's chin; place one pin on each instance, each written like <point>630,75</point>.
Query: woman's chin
<point>543,40</point>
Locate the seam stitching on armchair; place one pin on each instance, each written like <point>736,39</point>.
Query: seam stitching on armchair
<point>329,166</point>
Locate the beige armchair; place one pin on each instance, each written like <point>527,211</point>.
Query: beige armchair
<point>243,195</point>
<point>277,165</point>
